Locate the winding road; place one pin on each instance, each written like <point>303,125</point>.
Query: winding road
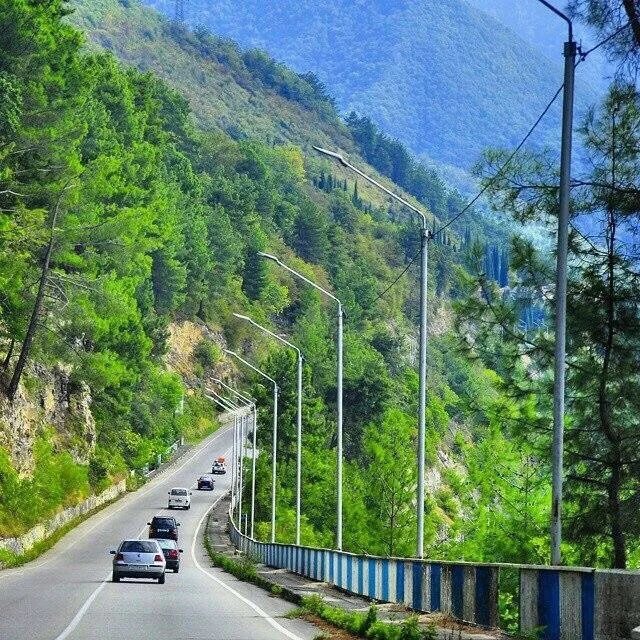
<point>67,593</point>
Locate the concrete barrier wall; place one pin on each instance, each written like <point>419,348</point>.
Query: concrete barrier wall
<point>25,542</point>
<point>569,603</point>
<point>585,604</point>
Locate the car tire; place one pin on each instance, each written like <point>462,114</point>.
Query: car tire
<point>115,578</point>
<point>188,507</point>
<point>161,579</point>
<point>176,570</point>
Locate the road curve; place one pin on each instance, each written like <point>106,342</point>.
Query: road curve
<point>66,593</point>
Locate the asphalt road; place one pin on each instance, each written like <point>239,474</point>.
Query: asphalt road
<point>67,593</point>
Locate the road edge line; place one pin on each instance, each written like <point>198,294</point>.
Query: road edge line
<point>274,623</point>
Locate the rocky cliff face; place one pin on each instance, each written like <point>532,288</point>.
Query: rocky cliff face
<point>184,338</point>
<point>47,398</point>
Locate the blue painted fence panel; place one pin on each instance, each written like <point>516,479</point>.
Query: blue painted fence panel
<point>549,604</point>
<point>457,591</point>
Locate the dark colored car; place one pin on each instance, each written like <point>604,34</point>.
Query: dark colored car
<point>163,527</point>
<point>206,483</point>
<point>171,554</point>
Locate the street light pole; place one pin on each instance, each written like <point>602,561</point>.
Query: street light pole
<point>425,236</point>
<point>339,453</point>
<point>228,405</point>
<point>275,442</point>
<point>248,401</point>
<point>299,414</point>
<point>559,373</point>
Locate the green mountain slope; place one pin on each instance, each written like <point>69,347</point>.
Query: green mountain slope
<point>246,94</point>
<point>154,213</point>
<point>443,77</point>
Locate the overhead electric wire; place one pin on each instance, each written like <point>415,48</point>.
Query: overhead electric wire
<point>475,198</point>
<point>393,284</point>
<point>446,225</point>
<point>504,166</point>
<point>611,36</point>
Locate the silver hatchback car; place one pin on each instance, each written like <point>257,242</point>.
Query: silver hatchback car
<point>139,559</point>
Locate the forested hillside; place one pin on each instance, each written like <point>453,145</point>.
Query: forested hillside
<point>443,77</point>
<point>128,208</point>
<point>120,215</point>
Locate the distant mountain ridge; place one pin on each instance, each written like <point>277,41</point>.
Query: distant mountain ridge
<point>445,78</point>
<point>546,32</point>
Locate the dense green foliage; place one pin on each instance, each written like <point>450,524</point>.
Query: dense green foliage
<point>602,432</point>
<point>155,219</point>
<point>127,211</point>
<point>366,624</point>
<point>444,78</point>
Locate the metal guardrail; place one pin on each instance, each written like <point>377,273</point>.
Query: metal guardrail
<point>569,603</point>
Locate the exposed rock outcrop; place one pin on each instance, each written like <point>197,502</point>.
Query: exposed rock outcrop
<point>47,397</point>
<point>184,338</point>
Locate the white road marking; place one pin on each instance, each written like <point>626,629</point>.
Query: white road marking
<point>78,617</point>
<point>87,603</point>
<point>135,497</point>
<point>274,623</point>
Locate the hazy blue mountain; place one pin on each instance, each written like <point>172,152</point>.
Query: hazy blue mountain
<point>542,30</point>
<point>444,77</point>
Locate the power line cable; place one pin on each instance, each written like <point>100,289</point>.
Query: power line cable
<point>504,166</point>
<point>475,198</point>
<point>610,37</point>
<point>393,284</point>
<point>583,56</point>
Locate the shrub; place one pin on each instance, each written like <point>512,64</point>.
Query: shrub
<point>207,353</point>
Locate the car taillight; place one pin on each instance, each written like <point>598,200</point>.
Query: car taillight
<point>158,558</point>
<point>120,557</point>
<point>173,553</point>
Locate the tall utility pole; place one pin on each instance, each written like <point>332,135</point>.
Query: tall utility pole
<point>425,236</point>
<point>339,453</point>
<point>570,51</point>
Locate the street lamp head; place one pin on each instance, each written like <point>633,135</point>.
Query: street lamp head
<point>269,256</point>
<point>231,353</point>
<point>332,154</point>
<point>241,317</point>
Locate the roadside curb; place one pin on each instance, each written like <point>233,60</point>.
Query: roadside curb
<point>295,588</point>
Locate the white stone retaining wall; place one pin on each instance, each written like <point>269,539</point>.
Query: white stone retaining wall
<point>26,541</point>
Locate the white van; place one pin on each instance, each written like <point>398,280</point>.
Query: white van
<point>179,498</point>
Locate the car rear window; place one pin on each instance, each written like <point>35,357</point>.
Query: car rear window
<point>178,492</point>
<point>168,544</point>
<point>139,546</point>
<point>163,522</point>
